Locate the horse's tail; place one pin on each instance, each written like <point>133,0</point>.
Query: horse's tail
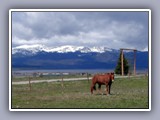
<point>93,87</point>
<point>94,82</point>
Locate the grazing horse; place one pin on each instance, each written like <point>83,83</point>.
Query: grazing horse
<point>105,79</point>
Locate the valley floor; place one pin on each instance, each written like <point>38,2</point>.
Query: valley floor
<point>126,93</point>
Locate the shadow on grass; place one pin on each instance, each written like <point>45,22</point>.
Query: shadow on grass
<point>99,94</point>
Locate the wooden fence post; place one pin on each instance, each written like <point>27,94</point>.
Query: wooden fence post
<point>146,75</point>
<point>62,83</point>
<point>88,77</point>
<point>29,83</point>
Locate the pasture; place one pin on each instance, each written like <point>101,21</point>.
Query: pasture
<point>126,93</point>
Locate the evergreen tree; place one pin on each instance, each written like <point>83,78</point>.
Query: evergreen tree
<point>125,65</point>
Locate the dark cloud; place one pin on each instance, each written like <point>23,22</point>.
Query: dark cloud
<point>111,29</point>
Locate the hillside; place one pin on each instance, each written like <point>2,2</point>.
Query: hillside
<point>71,57</point>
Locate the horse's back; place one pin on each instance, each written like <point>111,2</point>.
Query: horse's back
<point>101,79</point>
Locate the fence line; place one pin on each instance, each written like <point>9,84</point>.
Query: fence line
<point>65,79</point>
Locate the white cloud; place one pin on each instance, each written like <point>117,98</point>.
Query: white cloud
<point>82,28</point>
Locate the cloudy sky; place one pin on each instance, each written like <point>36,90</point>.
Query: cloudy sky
<point>111,29</point>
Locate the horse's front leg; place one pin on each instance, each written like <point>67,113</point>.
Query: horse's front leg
<point>107,89</point>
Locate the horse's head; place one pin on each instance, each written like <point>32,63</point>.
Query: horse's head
<point>112,76</point>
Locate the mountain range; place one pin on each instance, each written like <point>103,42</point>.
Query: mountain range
<point>72,57</point>
<point>60,49</point>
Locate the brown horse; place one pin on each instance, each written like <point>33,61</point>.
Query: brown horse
<point>105,79</point>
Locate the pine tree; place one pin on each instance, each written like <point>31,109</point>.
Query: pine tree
<point>125,64</point>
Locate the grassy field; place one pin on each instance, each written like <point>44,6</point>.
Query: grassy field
<point>125,93</point>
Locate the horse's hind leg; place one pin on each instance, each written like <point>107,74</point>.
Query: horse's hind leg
<point>99,89</point>
<point>92,88</point>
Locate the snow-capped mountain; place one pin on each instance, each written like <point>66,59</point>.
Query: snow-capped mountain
<point>33,49</point>
<point>71,57</point>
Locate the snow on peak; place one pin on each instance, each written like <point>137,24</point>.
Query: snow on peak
<point>100,49</point>
<point>29,48</point>
<point>83,49</point>
<point>145,49</point>
<point>64,49</point>
<point>60,49</point>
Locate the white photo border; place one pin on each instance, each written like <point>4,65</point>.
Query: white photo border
<point>77,10</point>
